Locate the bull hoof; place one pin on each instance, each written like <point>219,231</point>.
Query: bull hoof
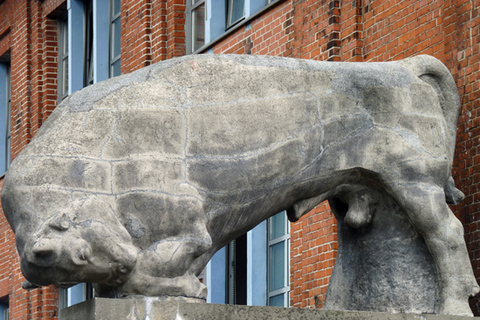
<point>455,307</point>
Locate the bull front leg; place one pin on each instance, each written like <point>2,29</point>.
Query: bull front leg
<point>164,269</point>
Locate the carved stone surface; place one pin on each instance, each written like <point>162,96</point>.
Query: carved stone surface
<point>135,182</point>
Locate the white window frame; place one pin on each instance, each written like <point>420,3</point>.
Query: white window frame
<point>270,243</point>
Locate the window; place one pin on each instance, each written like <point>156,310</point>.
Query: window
<point>75,294</point>
<point>237,273</point>
<point>278,260</point>
<point>88,63</point>
<point>235,11</point>
<point>98,56</point>
<point>114,38</point>
<point>208,20</point>
<point>4,116</point>
<point>62,82</point>
<point>254,268</point>
<point>196,24</point>
<point>4,310</point>
<point>236,266</point>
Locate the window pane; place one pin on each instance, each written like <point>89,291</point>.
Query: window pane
<point>116,7</point>
<point>64,26</point>
<point>64,77</point>
<point>277,301</point>
<point>236,11</point>
<point>198,24</point>
<point>62,89</point>
<point>116,38</point>
<point>277,266</point>
<point>116,68</point>
<point>277,225</point>
<point>76,294</point>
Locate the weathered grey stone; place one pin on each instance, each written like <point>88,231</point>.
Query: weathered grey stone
<point>175,309</point>
<point>134,183</point>
<point>385,261</point>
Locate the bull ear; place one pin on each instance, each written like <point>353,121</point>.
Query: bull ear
<point>60,223</point>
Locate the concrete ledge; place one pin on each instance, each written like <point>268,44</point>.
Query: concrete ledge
<point>185,309</point>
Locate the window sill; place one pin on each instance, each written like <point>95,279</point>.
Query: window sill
<point>234,28</point>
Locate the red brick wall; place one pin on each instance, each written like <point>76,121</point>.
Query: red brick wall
<point>314,247</point>
<point>136,21</point>
<point>465,61</point>
<point>152,31</point>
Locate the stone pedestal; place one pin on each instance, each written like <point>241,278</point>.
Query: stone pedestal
<point>384,266</point>
<point>158,309</point>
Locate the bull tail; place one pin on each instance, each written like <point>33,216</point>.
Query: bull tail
<point>436,74</point>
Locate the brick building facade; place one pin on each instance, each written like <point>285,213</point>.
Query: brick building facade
<point>32,78</point>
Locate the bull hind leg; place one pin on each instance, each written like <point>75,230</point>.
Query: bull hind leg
<point>429,214</point>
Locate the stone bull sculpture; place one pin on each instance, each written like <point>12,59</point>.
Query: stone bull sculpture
<point>134,183</point>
